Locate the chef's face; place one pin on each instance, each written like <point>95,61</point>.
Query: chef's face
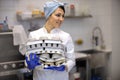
<point>56,18</point>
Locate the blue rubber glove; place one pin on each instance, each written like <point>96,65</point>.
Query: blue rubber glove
<point>33,61</point>
<point>61,68</point>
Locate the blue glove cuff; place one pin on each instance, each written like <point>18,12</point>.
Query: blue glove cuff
<point>61,68</point>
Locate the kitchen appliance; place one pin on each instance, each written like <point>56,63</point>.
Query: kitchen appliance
<point>11,61</point>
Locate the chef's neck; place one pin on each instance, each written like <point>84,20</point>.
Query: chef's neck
<point>48,27</point>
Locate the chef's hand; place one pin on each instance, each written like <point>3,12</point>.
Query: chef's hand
<point>32,61</point>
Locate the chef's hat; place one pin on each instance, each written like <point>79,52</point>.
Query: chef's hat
<point>51,6</point>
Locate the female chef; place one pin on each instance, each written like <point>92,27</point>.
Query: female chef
<point>54,14</point>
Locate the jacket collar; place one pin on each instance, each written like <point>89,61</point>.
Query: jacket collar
<point>52,31</point>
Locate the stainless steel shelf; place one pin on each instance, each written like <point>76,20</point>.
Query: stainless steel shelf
<point>41,17</point>
<point>4,33</point>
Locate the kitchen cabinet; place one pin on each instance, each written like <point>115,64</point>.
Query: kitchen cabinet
<point>83,65</point>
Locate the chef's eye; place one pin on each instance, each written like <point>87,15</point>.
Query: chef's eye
<point>59,15</point>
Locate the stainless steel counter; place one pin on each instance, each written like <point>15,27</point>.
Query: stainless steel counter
<point>94,60</point>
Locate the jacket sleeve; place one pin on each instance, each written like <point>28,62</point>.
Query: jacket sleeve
<point>70,54</point>
<point>22,48</point>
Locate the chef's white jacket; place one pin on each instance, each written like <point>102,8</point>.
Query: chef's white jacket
<point>47,74</point>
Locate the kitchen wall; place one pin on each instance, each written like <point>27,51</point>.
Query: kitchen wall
<point>77,27</point>
<point>116,39</point>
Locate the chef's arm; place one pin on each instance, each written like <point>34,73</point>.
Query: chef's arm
<point>70,56</point>
<point>22,49</point>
